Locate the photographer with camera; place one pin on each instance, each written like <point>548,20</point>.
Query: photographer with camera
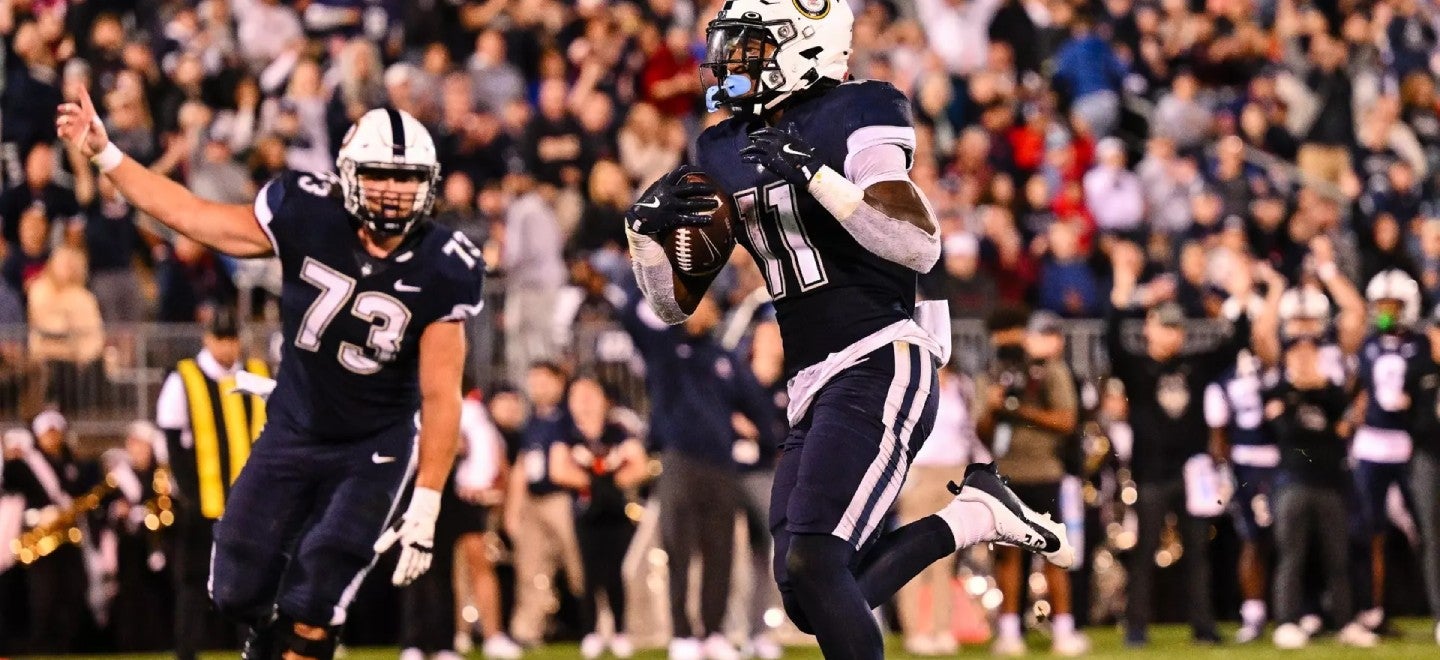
<point>1027,417</point>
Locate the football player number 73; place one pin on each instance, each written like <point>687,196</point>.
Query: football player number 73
<point>386,316</point>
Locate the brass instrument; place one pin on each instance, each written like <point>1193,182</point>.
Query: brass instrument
<point>49,535</point>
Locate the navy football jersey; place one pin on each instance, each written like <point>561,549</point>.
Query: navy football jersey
<point>829,291</point>
<point>352,322</point>
<point>1389,367</point>
<point>1236,403</point>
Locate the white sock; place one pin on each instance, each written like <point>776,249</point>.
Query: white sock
<point>1009,626</point>
<point>1063,625</point>
<point>970,522</point>
<point>1252,612</point>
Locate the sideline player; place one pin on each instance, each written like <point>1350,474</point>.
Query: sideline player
<point>818,171</point>
<point>371,305</point>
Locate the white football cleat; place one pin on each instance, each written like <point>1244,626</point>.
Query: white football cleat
<point>592,646</point>
<point>686,648</point>
<point>412,654</point>
<point>945,644</point>
<point>764,647</point>
<point>719,648</point>
<point>1247,634</point>
<point>1358,636</point>
<point>621,647</point>
<point>1311,624</point>
<point>500,647</point>
<point>1015,523</point>
<point>1289,637</point>
<point>1070,645</point>
<point>1008,647</point>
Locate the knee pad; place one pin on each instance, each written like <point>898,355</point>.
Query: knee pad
<point>815,559</point>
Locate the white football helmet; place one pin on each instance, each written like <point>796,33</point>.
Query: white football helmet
<point>1304,302</point>
<point>1396,284</point>
<point>759,52</point>
<point>388,143</point>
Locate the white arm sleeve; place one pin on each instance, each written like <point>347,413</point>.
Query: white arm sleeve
<point>655,277</point>
<point>886,237</point>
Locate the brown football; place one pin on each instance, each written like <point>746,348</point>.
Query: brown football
<point>703,250</point>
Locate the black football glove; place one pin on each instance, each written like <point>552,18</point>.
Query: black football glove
<point>671,202</point>
<point>784,154</point>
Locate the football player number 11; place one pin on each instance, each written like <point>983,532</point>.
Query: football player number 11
<point>797,253</point>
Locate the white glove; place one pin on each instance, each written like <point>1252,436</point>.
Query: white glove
<point>248,383</point>
<point>416,532</point>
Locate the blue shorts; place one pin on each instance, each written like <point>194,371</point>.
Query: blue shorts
<point>1254,500</point>
<point>841,467</point>
<point>301,521</point>
<point>1372,484</point>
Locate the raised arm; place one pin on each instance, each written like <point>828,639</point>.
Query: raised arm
<point>1350,322</point>
<point>229,228</point>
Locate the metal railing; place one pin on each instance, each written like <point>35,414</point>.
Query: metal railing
<point>102,397</point>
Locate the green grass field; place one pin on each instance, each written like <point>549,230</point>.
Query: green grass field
<point>1416,642</point>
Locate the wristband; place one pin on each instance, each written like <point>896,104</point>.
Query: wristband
<point>109,158</point>
<point>425,501</point>
<point>1326,271</point>
<point>837,194</point>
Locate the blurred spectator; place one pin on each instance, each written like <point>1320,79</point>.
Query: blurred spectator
<point>25,261</point>
<point>951,446</point>
<point>49,476</point>
<point>534,273</point>
<point>1032,395</point>
<point>358,87</point>
<point>192,282</point>
<point>265,30</point>
<point>143,598</point>
<point>697,388</point>
<point>556,151</point>
<point>669,81</point>
<point>1324,152</point>
<point>298,118</point>
<point>66,330</point>
<point>602,462</point>
<point>497,81</point>
<point>602,223</point>
<point>538,514</point>
<point>1113,194</point>
<point>113,242</point>
<point>1180,117</point>
<point>1067,285</point>
<point>37,190</point>
<point>31,90</point>
<point>1089,76</point>
<point>649,146</point>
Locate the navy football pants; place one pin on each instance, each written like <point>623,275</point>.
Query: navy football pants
<point>842,466</point>
<point>300,523</point>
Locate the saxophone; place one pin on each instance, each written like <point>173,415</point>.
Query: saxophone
<point>53,532</point>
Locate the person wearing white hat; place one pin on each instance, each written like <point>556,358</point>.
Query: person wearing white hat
<point>50,478</point>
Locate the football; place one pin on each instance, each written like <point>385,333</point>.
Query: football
<point>702,251</point>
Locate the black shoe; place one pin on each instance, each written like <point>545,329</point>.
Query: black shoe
<point>261,643</point>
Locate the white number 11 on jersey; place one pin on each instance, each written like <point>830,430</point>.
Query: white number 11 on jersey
<point>798,255</point>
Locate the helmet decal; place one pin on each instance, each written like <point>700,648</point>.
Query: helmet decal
<point>813,9</point>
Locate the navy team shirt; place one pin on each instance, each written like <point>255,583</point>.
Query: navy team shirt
<point>829,291</point>
<point>1390,365</point>
<point>1238,396</point>
<point>352,322</point>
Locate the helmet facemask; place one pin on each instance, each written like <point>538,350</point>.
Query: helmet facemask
<point>388,198</point>
<point>740,71</point>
